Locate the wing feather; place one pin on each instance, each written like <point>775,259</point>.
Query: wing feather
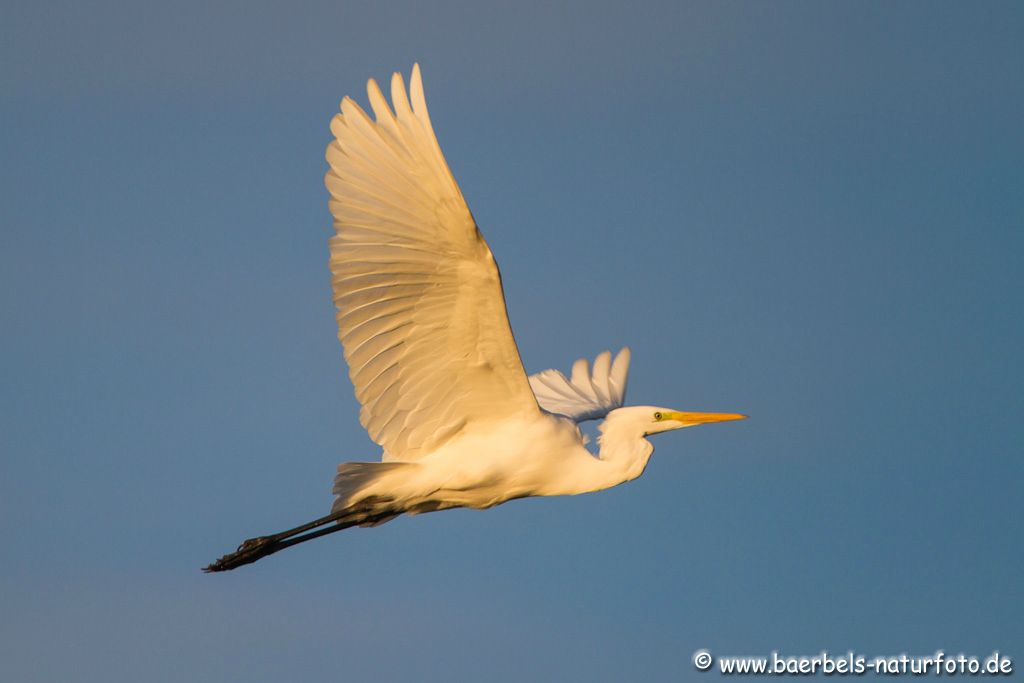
<point>421,313</point>
<point>599,378</point>
<point>590,394</point>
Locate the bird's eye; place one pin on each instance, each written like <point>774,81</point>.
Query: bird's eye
<point>657,416</point>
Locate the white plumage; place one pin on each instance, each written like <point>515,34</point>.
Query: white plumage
<point>587,395</point>
<point>421,313</point>
<point>422,320</point>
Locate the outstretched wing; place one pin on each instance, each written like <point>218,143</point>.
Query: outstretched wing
<point>421,313</point>
<point>590,394</point>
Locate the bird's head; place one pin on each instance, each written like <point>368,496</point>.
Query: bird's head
<point>654,420</point>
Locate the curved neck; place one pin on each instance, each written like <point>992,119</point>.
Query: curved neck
<point>622,456</point>
<point>624,448</point>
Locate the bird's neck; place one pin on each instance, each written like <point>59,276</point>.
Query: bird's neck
<point>623,453</point>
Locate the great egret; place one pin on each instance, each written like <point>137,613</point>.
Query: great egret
<point>421,316</point>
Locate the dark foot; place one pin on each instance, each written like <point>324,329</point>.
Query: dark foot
<point>249,551</point>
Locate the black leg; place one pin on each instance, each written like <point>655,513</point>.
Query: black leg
<point>261,546</point>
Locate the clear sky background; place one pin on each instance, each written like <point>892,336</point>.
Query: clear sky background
<point>812,213</point>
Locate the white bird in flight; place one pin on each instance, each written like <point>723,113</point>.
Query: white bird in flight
<point>421,316</point>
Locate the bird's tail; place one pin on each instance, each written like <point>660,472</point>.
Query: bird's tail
<point>355,484</point>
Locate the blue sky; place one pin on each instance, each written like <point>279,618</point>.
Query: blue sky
<point>807,212</point>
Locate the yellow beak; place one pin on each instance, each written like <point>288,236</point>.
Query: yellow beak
<point>704,418</point>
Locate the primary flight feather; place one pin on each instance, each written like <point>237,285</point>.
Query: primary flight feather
<point>422,320</point>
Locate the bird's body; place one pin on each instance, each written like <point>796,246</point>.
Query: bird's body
<point>421,318</point>
<point>513,467</point>
<point>513,457</point>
